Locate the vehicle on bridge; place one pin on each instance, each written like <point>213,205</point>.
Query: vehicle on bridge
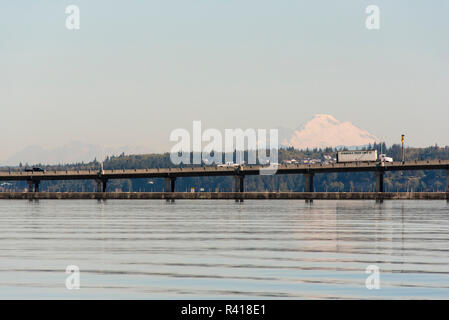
<point>228,165</point>
<point>357,156</point>
<point>384,158</point>
<point>328,159</point>
<point>292,161</point>
<point>34,169</point>
<point>361,156</point>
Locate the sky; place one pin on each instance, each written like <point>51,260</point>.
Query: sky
<point>136,70</point>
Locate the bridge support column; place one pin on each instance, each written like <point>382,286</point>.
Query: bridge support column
<point>236,186</point>
<point>33,185</point>
<point>308,186</point>
<point>170,186</point>
<point>30,186</point>
<point>447,180</point>
<point>101,185</point>
<point>167,184</point>
<point>380,181</point>
<point>379,184</point>
<point>242,184</point>
<point>447,185</point>
<point>239,185</point>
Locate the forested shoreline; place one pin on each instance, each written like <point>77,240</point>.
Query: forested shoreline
<point>433,180</point>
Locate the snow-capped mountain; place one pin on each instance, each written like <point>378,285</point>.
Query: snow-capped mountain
<point>320,132</point>
<point>326,131</point>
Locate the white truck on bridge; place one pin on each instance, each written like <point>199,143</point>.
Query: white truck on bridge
<point>384,158</point>
<point>361,156</point>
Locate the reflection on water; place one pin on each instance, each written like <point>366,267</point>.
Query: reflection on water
<point>222,249</point>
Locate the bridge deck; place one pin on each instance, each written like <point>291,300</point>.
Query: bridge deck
<point>228,195</point>
<point>222,171</point>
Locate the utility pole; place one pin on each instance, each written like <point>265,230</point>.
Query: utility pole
<point>403,151</point>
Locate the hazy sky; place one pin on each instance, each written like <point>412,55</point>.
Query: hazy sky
<point>138,69</point>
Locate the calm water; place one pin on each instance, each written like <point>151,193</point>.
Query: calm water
<point>222,249</point>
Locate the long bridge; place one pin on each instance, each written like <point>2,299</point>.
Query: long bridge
<point>171,174</point>
<point>238,196</point>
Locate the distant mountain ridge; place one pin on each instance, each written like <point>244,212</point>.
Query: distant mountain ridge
<point>326,131</point>
<point>320,132</point>
<point>73,152</point>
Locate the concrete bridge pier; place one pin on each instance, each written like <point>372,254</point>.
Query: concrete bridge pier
<point>239,185</point>
<point>101,185</point>
<point>447,185</point>
<point>380,181</point>
<point>380,184</point>
<point>167,185</point>
<point>33,185</point>
<point>170,186</point>
<point>236,186</point>
<point>308,186</point>
<point>447,180</point>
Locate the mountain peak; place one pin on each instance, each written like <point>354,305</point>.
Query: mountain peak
<point>324,130</point>
<point>322,116</point>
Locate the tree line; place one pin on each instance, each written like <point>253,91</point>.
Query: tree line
<point>432,180</point>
